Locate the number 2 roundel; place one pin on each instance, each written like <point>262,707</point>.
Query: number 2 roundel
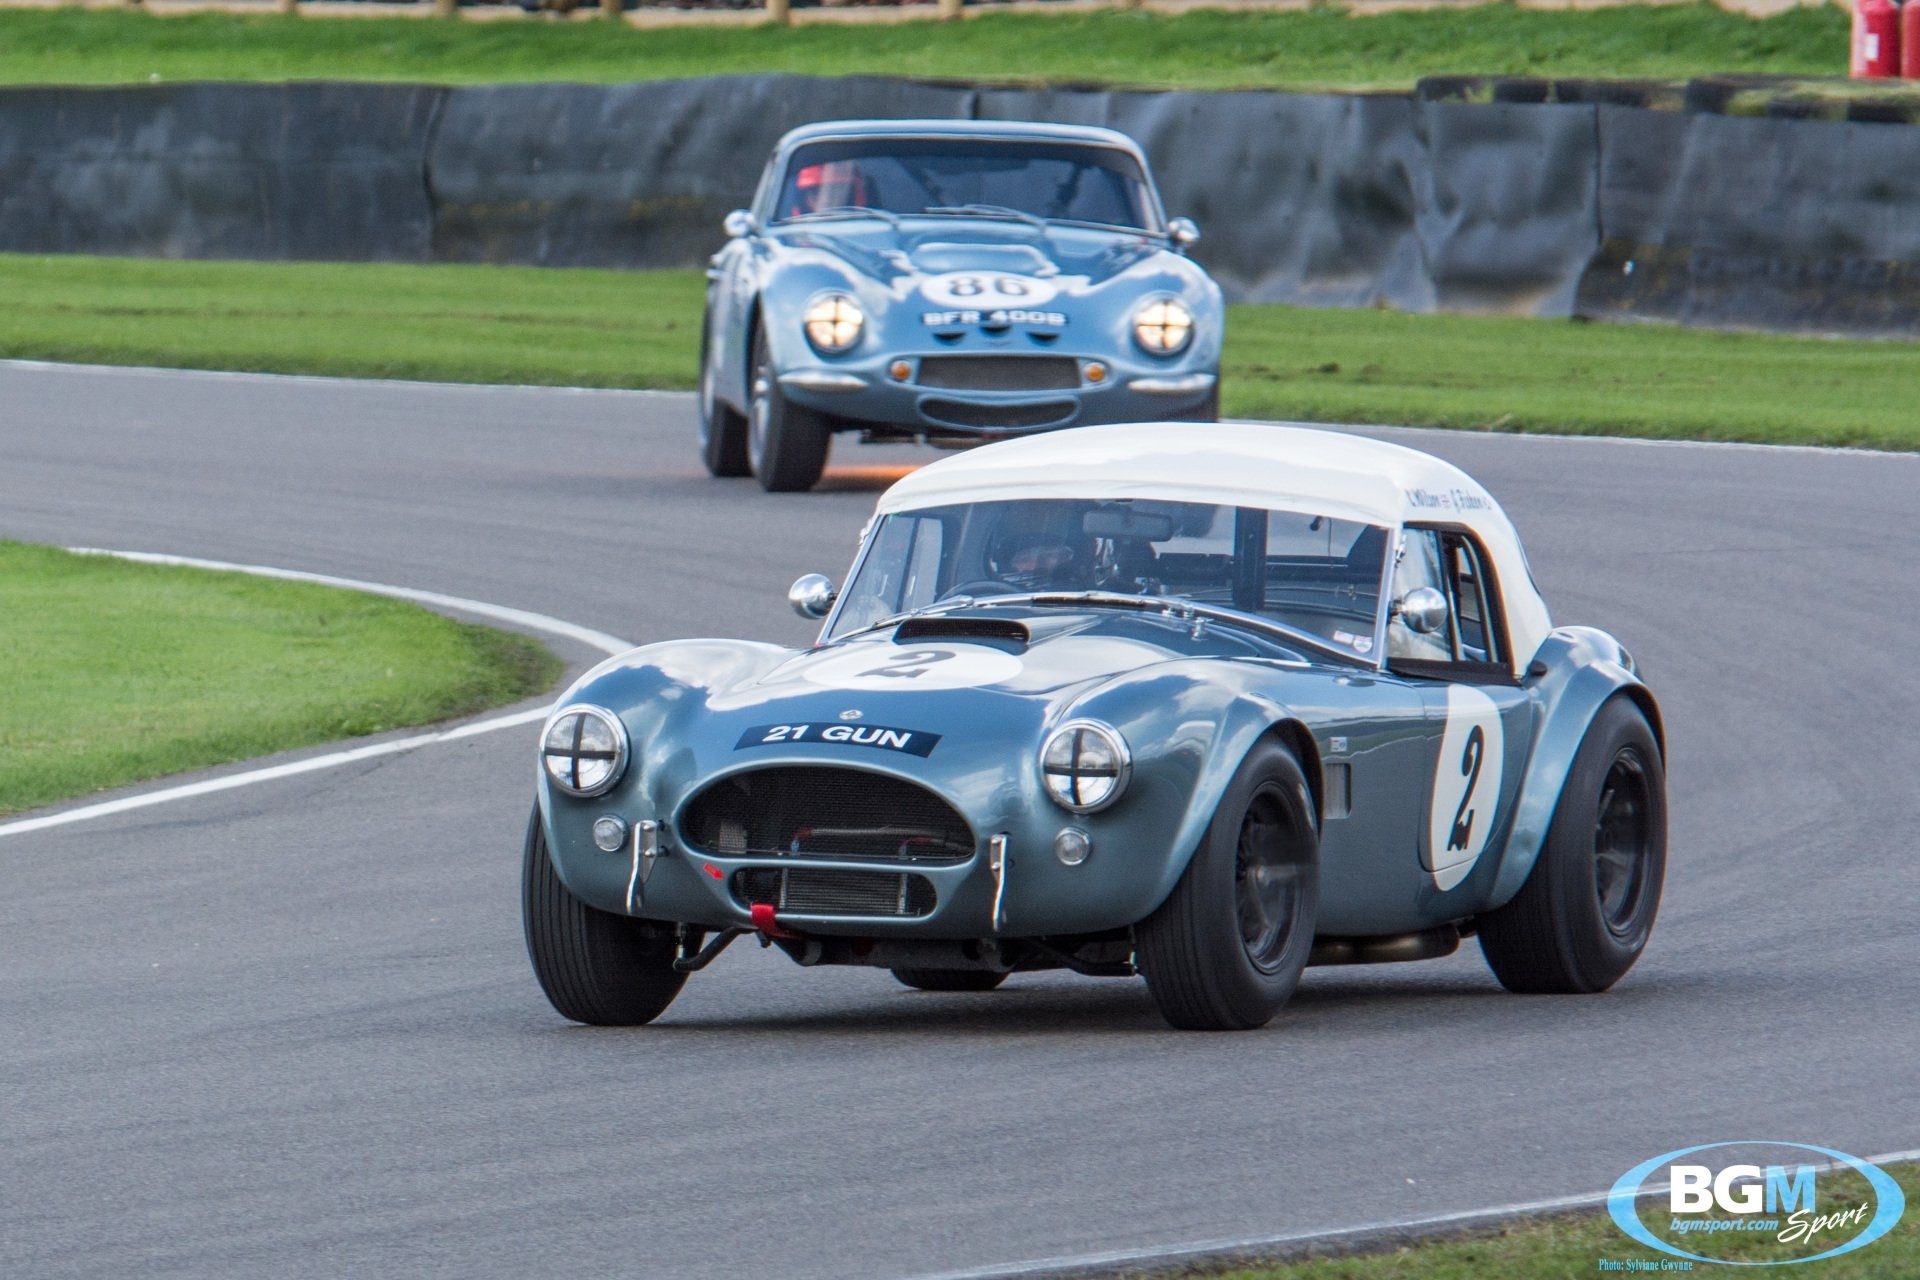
<point>904,668</point>
<point>1466,785</point>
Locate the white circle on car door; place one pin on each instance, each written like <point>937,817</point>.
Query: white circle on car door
<point>987,290</point>
<point>1466,785</point>
<point>905,668</point>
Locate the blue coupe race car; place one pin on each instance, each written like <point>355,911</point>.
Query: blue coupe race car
<point>948,281</point>
<point>1208,705</point>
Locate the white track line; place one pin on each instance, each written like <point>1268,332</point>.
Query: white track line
<point>1254,1247</point>
<point>518,617</point>
<point>228,375</point>
<point>58,366</point>
<point>333,760</point>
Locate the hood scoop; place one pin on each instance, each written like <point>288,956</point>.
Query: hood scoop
<point>961,628</point>
<point>1020,259</point>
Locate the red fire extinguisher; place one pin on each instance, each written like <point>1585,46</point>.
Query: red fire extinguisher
<point>1876,39</point>
<point>1910,41</point>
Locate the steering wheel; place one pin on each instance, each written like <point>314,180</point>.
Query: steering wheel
<point>980,587</point>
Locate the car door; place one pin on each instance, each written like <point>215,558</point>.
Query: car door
<point>1482,715</point>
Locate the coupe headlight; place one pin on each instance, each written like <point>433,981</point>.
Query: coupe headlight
<point>1085,765</point>
<point>833,323</point>
<point>1163,327</point>
<point>584,750</point>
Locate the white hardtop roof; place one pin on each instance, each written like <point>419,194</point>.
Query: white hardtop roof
<point>1232,464</point>
<point>1284,468</point>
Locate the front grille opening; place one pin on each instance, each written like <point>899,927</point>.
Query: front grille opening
<point>826,891</point>
<point>803,811</point>
<point>1000,417</point>
<point>1000,373</point>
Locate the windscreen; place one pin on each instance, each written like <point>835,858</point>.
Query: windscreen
<point>1312,572</point>
<point>1054,180</point>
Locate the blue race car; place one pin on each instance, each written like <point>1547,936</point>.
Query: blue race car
<point>1206,704</point>
<point>948,281</point>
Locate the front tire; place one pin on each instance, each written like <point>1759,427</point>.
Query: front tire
<point>1225,951</point>
<point>723,430</point>
<point>1584,915</point>
<point>786,443</point>
<point>949,979</point>
<point>600,969</point>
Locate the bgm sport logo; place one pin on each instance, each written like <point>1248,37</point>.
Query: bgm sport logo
<point>1754,1204</point>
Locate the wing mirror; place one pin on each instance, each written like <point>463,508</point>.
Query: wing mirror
<point>1423,610</point>
<point>1184,233</point>
<point>739,223</point>
<point>812,595</point>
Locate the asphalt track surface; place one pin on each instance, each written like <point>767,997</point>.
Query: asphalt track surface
<point>289,1030</point>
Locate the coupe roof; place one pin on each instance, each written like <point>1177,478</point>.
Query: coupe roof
<point>985,130</point>
<point>1296,468</point>
<point>1247,465</point>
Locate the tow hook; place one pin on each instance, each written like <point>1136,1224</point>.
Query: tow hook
<point>690,961</point>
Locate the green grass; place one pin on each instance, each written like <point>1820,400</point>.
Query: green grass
<point>1570,1249</point>
<point>1205,49</point>
<point>641,329</point>
<point>117,672</point>
<point>459,324</point>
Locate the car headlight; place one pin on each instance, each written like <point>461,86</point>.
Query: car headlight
<point>584,750</point>
<point>833,323</point>
<point>1085,765</point>
<point>1163,327</point>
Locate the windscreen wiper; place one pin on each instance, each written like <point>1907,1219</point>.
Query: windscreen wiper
<point>887,216</point>
<point>1185,608</point>
<point>990,211</point>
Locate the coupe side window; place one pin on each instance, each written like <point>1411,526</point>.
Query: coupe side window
<point>905,559</point>
<point>1470,645</point>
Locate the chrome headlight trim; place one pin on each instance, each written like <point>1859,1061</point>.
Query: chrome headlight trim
<point>1085,765</point>
<point>581,740</point>
<point>1163,325</point>
<point>833,322</point>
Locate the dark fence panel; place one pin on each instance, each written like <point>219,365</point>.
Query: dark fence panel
<point>1542,197</point>
<point>1767,223</point>
<point>314,171</point>
<point>634,175</point>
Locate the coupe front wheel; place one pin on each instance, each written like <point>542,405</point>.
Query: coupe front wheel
<point>597,968</point>
<point>1225,951</point>
<point>723,430</point>
<point>786,443</point>
<point>1584,915</point>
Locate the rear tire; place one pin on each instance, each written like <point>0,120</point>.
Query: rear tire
<point>1225,951</point>
<point>786,443</point>
<point>1584,915</point>
<point>600,969</point>
<point>949,979</point>
<point>723,430</point>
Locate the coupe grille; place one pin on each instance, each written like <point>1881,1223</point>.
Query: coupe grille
<point>825,891</point>
<point>1000,373</point>
<point>807,811</point>
<point>1000,417</point>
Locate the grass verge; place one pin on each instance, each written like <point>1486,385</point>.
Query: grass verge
<point>1203,49</point>
<point>1571,1248</point>
<point>641,329</point>
<point>117,672</point>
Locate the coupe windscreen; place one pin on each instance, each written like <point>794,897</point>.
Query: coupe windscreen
<point>1060,181</point>
<point>1312,572</point>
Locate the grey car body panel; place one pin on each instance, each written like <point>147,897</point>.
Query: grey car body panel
<point>1581,668</point>
<point>1191,702</point>
<point>763,282</point>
